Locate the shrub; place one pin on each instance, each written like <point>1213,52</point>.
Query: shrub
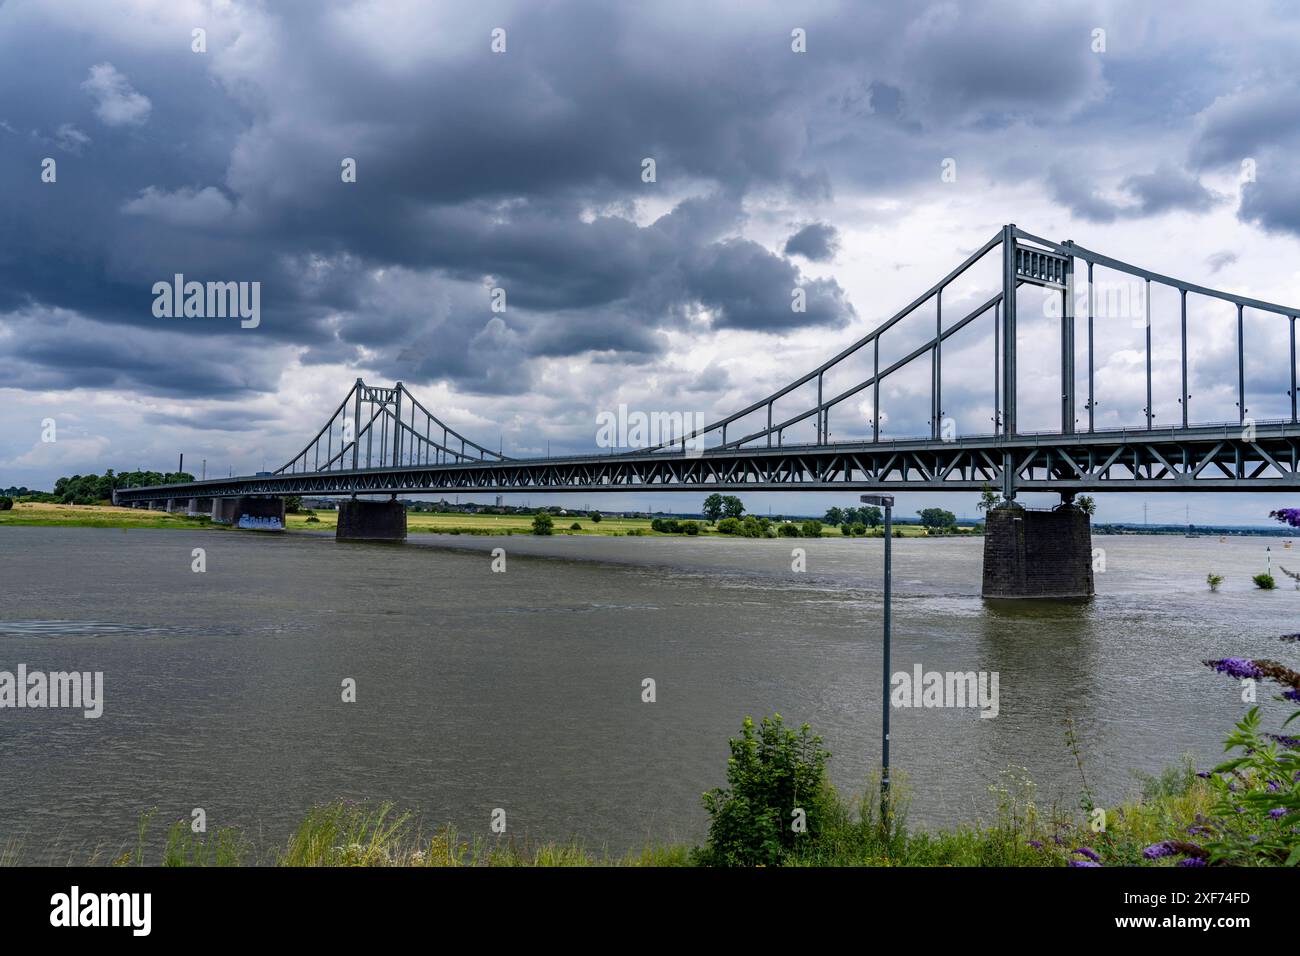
<point>691,528</point>
<point>788,529</point>
<point>859,529</point>
<point>657,524</point>
<point>312,519</point>
<point>575,527</point>
<point>812,528</point>
<point>1214,580</point>
<point>1257,794</point>
<point>846,529</point>
<point>729,526</point>
<point>6,503</point>
<point>595,517</point>
<point>542,523</point>
<point>772,773</point>
<point>1264,582</point>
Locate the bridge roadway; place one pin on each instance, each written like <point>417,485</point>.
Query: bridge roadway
<point>1226,457</point>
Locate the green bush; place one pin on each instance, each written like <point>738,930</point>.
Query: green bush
<point>846,529</point>
<point>542,523</point>
<point>812,528</point>
<point>859,529</point>
<point>691,528</point>
<point>575,527</point>
<point>729,526</point>
<point>6,503</point>
<point>1214,580</point>
<point>1264,582</point>
<point>772,774</point>
<point>788,529</point>
<point>312,519</point>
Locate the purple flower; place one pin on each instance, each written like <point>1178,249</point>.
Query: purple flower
<point>1088,852</point>
<point>1196,830</point>
<point>1191,861</point>
<point>1277,813</point>
<point>1036,844</point>
<point>1082,863</point>
<point>1203,774</point>
<point>1291,743</point>
<point>1157,850</point>
<point>1292,694</point>
<point>1235,667</point>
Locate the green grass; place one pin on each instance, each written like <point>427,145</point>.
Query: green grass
<point>30,514</point>
<point>417,522</point>
<point>343,834</point>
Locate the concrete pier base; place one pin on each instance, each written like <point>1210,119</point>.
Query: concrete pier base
<point>199,506</point>
<point>254,513</point>
<point>1037,554</point>
<point>371,521</point>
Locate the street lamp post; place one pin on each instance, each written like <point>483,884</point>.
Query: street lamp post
<point>887,502</point>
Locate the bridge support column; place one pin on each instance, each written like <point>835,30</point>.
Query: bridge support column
<point>252,513</point>
<point>371,521</point>
<point>199,506</point>
<point>1037,554</point>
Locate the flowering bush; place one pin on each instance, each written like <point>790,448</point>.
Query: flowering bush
<point>1256,813</point>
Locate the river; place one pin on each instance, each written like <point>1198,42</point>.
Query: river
<point>522,690</point>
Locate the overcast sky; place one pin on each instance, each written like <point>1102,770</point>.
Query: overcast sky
<point>1170,141</point>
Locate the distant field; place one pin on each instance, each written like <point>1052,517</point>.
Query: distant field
<point>107,516</point>
<point>93,516</point>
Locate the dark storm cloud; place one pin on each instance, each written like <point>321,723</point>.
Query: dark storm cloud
<point>519,170</point>
<point>1255,133</point>
<point>817,241</point>
<point>1165,189</point>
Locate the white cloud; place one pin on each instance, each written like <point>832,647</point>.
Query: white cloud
<point>117,103</point>
<point>183,207</point>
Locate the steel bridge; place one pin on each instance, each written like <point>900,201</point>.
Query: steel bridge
<point>383,441</point>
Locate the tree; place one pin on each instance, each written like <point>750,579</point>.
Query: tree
<point>292,504</point>
<point>1087,504</point>
<point>732,507</point>
<point>936,519</point>
<point>870,516</point>
<point>595,517</point>
<point>772,769</point>
<point>542,523</point>
<point>833,516</point>
<point>6,503</point>
<point>712,507</point>
<point>989,499</point>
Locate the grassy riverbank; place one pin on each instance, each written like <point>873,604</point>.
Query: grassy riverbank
<point>344,834</point>
<point>418,522</point>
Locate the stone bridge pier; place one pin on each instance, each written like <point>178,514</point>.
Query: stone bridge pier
<point>257,513</point>
<point>371,520</point>
<point>1037,554</point>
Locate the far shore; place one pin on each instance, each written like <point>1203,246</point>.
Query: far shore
<point>418,522</point>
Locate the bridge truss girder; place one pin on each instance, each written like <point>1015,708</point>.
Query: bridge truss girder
<point>1214,459</point>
